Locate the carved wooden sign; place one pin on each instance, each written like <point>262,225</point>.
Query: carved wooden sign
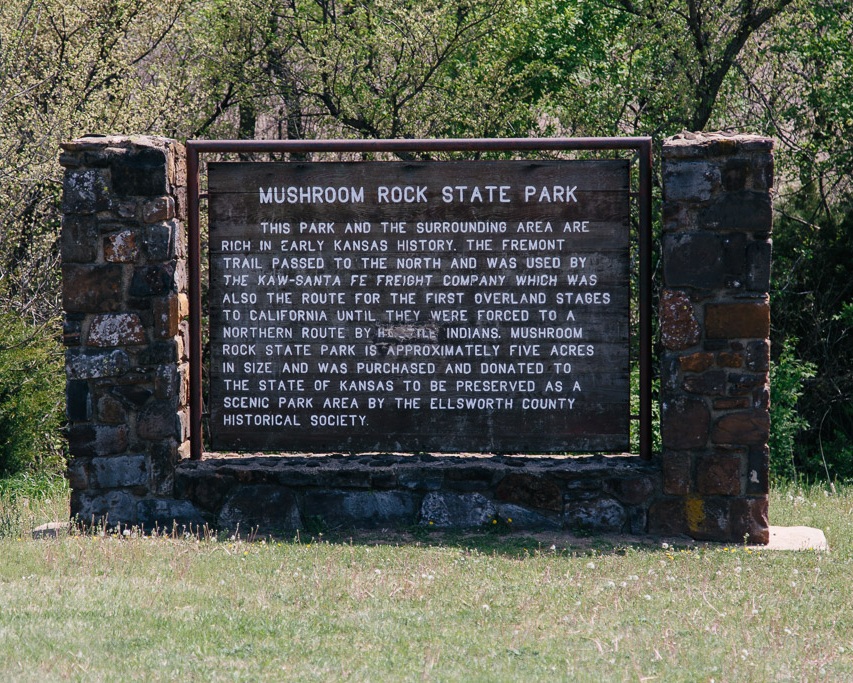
<point>478,306</point>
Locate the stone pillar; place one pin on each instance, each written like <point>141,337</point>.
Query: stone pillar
<point>124,293</point>
<point>714,327</point>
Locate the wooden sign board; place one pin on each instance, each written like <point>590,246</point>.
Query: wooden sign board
<point>430,306</point>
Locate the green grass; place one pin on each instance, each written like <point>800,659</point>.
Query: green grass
<point>445,608</point>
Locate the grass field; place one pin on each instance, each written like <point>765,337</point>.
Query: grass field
<point>436,607</point>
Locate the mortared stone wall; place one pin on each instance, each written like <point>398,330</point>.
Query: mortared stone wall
<point>124,292</point>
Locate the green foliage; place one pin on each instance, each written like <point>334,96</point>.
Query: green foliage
<point>787,376</point>
<point>32,385</point>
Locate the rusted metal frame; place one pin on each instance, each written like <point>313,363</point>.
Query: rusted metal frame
<point>643,146</point>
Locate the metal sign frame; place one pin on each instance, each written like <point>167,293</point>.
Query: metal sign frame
<point>641,145</point>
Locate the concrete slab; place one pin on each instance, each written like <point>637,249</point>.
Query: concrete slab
<point>795,538</point>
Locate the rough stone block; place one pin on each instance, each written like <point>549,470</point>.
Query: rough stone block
<point>116,329</point>
<point>160,241</point>
<point>690,180</point>
<point>685,423</point>
<point>93,364</point>
<point>737,320</point>
<point>603,515</point>
<point>360,509</point>
<point>91,289</point>
<point>758,470</point>
<point>120,471</point>
<point>79,239</point>
<point>166,316</point>
<point>456,511</point>
<point>632,490</point>
<point>696,362</point>
<point>718,474</point>
<point>169,514</point>
<point>85,191</point>
<point>72,329</point>
<point>667,516</point>
<point>265,508</point>
<point>758,259</point>
<point>140,172</point>
<point>743,384</point>
<point>518,517</point>
<point>677,476</point>
<point>77,473</point>
<point>152,280</point>
<point>158,209</point>
<point>749,520</point>
<point>731,403</point>
<point>708,518</point>
<point>531,491</point>
<point>111,410</point>
<point>158,420</point>
<point>678,325</point>
<point>693,259</point>
<point>710,383</point>
<point>744,210</point>
<point>111,508</point>
<point>758,356</point>
<point>750,428</point>
<point>728,359</point>
<point>110,439</point>
<point>77,404</point>
<point>160,353</point>
<point>121,247</point>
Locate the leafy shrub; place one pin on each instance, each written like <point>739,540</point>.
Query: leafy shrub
<point>786,387</point>
<point>32,382</point>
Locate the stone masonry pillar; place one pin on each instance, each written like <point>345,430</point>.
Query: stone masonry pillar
<point>715,327</point>
<point>124,294</point>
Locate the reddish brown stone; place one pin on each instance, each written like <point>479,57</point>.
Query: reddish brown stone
<point>734,321</point>
<point>159,209</point>
<point>696,362</point>
<point>120,247</point>
<point>730,360</point>
<point>748,428</point>
<point>91,289</point>
<point>526,489</point>
<point>718,474</point>
<point>749,520</point>
<point>676,473</point>
<point>666,516</point>
<point>731,403</point>
<point>116,329</point>
<point>678,325</point>
<point>685,423</point>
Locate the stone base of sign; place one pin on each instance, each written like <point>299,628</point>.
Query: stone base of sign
<point>602,494</point>
<point>126,333</point>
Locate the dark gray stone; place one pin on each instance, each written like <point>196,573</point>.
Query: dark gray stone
<point>90,364</point>
<point>79,239</point>
<point>455,510</point>
<point>140,172</point>
<point>603,515</point>
<point>360,509</point>
<point>693,259</point>
<point>119,471</point>
<point>264,508</point>
<point>518,517</point>
<point>158,420</point>
<point>78,407</point>
<point>110,508</point>
<point>167,514</point>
